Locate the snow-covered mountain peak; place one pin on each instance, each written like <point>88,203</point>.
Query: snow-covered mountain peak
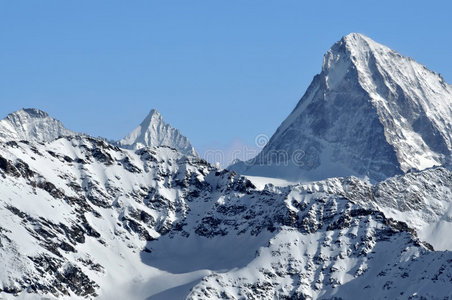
<point>154,117</point>
<point>32,112</point>
<point>32,125</point>
<point>370,112</point>
<point>357,53</point>
<point>352,43</point>
<point>154,131</point>
<point>28,113</point>
<point>361,43</point>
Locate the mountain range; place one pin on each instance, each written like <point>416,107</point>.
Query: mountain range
<point>34,125</point>
<point>367,212</point>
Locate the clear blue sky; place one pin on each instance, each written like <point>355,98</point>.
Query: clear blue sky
<point>220,71</point>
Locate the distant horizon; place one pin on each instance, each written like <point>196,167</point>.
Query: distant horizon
<point>223,74</point>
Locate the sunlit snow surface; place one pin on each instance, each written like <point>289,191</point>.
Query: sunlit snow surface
<point>163,225</point>
<point>31,125</point>
<point>370,112</point>
<point>83,218</point>
<point>153,131</point>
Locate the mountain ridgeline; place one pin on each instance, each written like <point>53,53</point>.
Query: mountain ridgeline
<point>35,125</point>
<point>31,124</point>
<point>147,218</point>
<point>371,112</point>
<point>153,131</point>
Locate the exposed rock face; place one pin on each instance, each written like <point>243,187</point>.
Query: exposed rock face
<point>82,218</point>
<point>103,221</point>
<point>370,112</point>
<point>32,125</point>
<point>153,131</point>
<point>79,209</point>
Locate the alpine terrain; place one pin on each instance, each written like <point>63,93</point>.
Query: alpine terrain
<point>370,112</point>
<point>147,218</point>
<point>153,131</point>
<point>31,125</point>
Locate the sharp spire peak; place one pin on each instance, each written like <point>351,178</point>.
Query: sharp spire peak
<point>154,131</point>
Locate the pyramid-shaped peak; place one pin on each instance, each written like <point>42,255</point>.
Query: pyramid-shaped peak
<point>154,113</point>
<point>154,131</point>
<point>355,38</point>
<point>360,42</point>
<point>356,49</point>
<point>370,112</point>
<point>153,116</point>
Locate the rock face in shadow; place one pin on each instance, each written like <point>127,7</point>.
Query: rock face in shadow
<point>102,220</point>
<point>146,218</point>
<point>370,112</point>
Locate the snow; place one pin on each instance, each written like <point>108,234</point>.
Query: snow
<point>153,131</point>
<point>145,218</point>
<point>224,244</point>
<point>32,125</point>
<point>260,182</point>
<point>371,112</point>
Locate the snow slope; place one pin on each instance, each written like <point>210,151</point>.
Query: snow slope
<point>370,112</point>
<point>83,218</point>
<point>31,124</point>
<point>145,218</point>
<point>153,131</point>
<point>423,200</point>
<point>77,213</point>
<point>337,245</point>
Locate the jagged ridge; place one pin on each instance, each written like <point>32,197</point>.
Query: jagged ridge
<point>31,124</point>
<point>98,219</point>
<point>153,131</point>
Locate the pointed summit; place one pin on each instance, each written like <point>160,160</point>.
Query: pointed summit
<point>32,125</point>
<point>153,131</point>
<point>154,114</point>
<point>370,112</point>
<point>361,42</point>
